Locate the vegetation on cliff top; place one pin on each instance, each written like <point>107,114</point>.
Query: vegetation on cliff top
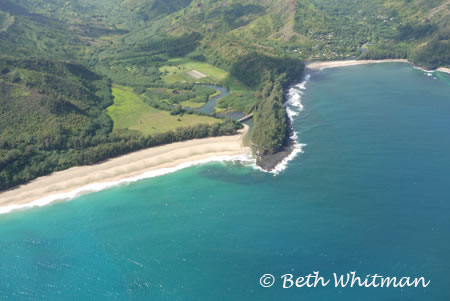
<point>59,60</point>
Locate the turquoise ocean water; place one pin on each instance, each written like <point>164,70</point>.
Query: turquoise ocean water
<point>369,194</point>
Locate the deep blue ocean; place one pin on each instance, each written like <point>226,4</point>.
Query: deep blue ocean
<point>370,193</point>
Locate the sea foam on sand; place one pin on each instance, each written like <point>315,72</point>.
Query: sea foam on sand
<point>146,163</point>
<point>95,187</point>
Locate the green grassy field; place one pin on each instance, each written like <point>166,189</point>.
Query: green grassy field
<point>130,112</point>
<point>177,70</point>
<point>192,104</point>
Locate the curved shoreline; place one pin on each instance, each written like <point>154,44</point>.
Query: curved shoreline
<point>345,63</point>
<point>277,162</point>
<point>319,65</point>
<point>151,162</point>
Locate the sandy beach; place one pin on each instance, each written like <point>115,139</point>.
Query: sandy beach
<point>445,70</point>
<point>127,168</point>
<point>333,64</point>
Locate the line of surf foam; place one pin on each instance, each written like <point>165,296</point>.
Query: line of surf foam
<point>423,69</point>
<point>293,108</point>
<point>96,187</point>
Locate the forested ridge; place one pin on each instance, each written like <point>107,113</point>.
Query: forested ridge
<point>270,77</point>
<point>52,117</point>
<point>61,61</point>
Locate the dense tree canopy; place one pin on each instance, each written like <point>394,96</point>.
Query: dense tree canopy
<point>59,60</point>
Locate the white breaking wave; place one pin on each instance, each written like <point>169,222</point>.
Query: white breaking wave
<point>95,187</point>
<point>302,85</point>
<point>298,148</point>
<point>424,70</point>
<point>293,107</point>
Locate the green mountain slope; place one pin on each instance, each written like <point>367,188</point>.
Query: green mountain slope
<point>50,114</point>
<point>325,29</point>
<point>52,117</point>
<point>59,59</point>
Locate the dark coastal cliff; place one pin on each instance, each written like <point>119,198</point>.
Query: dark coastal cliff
<point>272,130</point>
<point>153,47</point>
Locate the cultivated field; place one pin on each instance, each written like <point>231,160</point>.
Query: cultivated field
<point>130,112</point>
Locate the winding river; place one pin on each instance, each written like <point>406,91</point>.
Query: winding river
<point>208,108</point>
